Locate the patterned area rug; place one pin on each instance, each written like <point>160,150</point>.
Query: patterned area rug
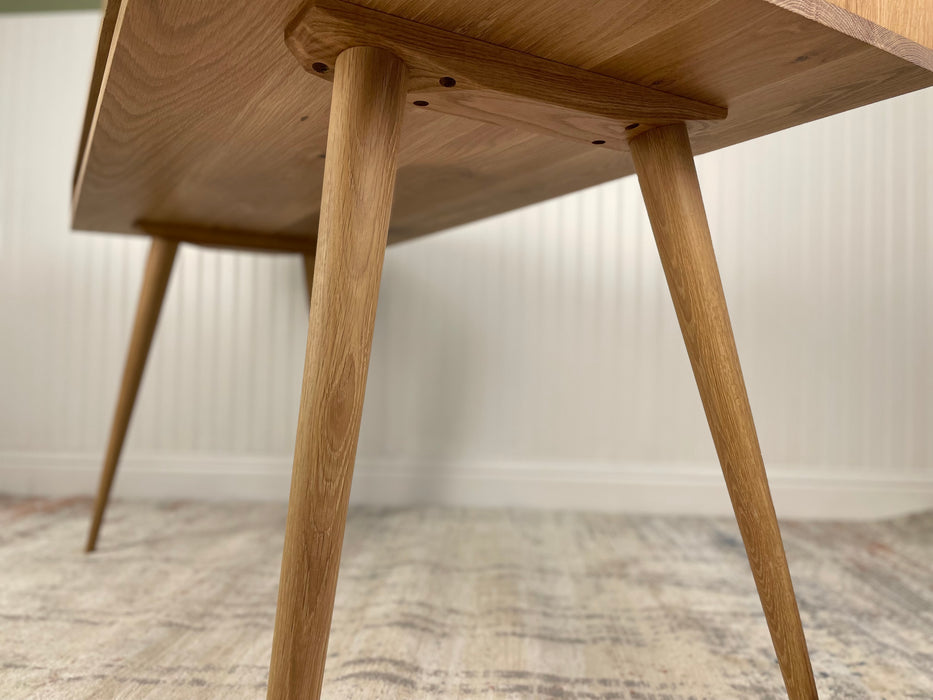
<point>435,603</point>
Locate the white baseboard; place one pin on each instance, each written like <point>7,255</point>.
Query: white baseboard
<point>661,488</point>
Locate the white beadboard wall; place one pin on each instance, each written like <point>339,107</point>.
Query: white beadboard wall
<point>532,359</point>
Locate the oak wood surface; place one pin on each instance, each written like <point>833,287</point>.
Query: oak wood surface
<point>105,41</point>
<point>365,122</point>
<point>457,75</point>
<point>910,18</point>
<point>206,119</point>
<point>669,184</point>
<point>216,237</point>
<point>155,280</point>
<point>910,23</point>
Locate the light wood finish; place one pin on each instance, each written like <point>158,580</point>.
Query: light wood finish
<point>308,265</point>
<point>186,130</point>
<point>910,18</point>
<point>362,147</point>
<point>104,42</point>
<point>188,139</point>
<point>910,25</point>
<point>155,281</point>
<point>454,74</point>
<point>668,179</point>
<point>269,242</point>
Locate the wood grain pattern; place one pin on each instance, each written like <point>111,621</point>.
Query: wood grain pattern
<point>454,74</point>
<point>669,184</point>
<point>215,237</point>
<point>155,280</point>
<point>910,18</point>
<point>362,147</point>
<point>105,44</point>
<point>189,131</point>
<point>912,24</point>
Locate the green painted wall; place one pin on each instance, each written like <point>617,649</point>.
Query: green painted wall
<point>48,5</point>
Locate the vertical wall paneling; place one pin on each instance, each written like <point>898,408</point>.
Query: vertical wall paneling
<point>535,350</point>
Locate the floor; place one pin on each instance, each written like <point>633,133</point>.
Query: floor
<point>436,603</point>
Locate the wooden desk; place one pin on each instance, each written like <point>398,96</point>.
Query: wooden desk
<point>299,127</point>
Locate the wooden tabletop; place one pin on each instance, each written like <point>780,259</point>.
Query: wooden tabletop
<point>199,116</point>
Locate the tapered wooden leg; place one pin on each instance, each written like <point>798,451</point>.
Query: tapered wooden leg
<point>308,259</point>
<point>155,281</point>
<point>666,172</point>
<point>359,178</point>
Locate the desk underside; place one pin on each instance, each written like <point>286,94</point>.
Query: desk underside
<point>200,116</point>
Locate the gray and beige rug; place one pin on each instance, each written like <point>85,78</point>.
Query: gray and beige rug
<point>433,603</point>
